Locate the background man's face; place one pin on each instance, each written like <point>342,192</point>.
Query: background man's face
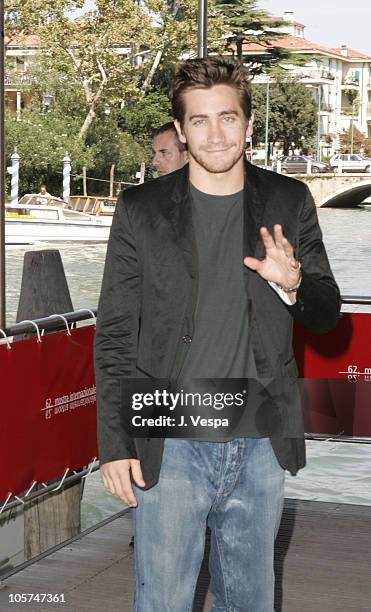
<point>215,128</point>
<point>42,189</point>
<point>167,156</point>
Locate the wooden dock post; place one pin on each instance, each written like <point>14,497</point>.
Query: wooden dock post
<point>111,180</point>
<point>84,184</point>
<point>52,518</point>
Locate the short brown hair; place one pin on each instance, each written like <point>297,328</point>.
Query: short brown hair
<point>170,127</point>
<point>205,73</point>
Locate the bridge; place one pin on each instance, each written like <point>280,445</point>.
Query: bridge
<point>338,190</point>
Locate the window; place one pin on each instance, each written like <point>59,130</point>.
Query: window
<point>41,213</point>
<point>69,214</point>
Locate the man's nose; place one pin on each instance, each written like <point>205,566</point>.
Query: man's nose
<point>155,160</point>
<point>215,133</point>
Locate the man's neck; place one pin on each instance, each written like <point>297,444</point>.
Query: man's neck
<point>223,183</point>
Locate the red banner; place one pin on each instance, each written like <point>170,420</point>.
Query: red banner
<point>48,408</point>
<point>48,397</point>
<point>336,368</point>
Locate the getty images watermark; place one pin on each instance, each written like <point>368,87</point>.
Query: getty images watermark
<point>173,401</point>
<point>210,409</point>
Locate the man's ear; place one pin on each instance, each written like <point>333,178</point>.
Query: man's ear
<point>249,129</point>
<point>181,137</point>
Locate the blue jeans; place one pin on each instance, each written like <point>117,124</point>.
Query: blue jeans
<point>236,488</point>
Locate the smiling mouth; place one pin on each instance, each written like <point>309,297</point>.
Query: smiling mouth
<point>217,150</point>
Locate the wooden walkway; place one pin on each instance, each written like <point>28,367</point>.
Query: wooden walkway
<point>323,564</point>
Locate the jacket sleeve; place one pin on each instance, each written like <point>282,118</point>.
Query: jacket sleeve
<point>318,300</point>
<point>115,344</point>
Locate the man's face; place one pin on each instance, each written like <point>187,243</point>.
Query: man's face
<point>43,190</point>
<point>215,128</point>
<point>167,156</point>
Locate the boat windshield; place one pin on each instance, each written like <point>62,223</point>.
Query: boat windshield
<point>76,216</point>
<point>18,212</point>
<point>32,199</point>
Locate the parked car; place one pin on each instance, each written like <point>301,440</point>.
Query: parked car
<point>298,164</point>
<point>350,162</point>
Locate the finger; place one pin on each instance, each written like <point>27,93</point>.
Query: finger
<point>126,490</point>
<point>289,251</point>
<point>136,472</point>
<point>267,238</point>
<point>107,481</point>
<point>116,485</point>
<point>252,263</point>
<point>283,243</point>
<point>278,236</point>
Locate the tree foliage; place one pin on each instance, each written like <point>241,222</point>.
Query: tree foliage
<point>147,114</point>
<point>292,115</point>
<point>24,17</point>
<point>42,141</point>
<point>245,23</point>
<point>87,51</point>
<point>360,142</point>
<point>106,101</point>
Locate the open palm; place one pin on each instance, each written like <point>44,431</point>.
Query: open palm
<point>279,265</point>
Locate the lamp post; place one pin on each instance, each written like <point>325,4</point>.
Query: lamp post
<point>352,130</point>
<point>319,100</point>
<point>266,144</point>
<point>47,100</point>
<point>202,29</point>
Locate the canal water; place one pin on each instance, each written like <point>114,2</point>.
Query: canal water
<point>335,472</point>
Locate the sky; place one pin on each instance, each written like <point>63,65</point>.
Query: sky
<point>330,22</point>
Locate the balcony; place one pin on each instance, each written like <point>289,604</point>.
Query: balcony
<point>369,109</point>
<point>17,80</point>
<point>349,111</point>
<point>351,80</point>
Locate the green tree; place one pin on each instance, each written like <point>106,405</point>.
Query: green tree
<point>244,22</point>
<point>175,26</point>
<point>112,146</point>
<point>24,17</point>
<point>360,142</point>
<point>87,52</point>
<point>147,114</point>
<point>41,142</point>
<point>292,115</point>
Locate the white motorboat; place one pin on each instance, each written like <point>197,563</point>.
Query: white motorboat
<point>38,218</point>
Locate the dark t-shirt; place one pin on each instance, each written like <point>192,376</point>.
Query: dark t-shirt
<point>220,344</point>
<point>220,347</point>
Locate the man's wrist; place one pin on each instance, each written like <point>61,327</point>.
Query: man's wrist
<point>294,287</point>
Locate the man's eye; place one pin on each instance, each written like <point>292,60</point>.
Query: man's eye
<point>198,122</point>
<point>229,119</point>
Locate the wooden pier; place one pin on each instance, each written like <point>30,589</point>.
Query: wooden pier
<point>323,564</point>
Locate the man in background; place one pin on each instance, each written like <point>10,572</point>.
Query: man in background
<point>169,153</point>
<point>43,197</point>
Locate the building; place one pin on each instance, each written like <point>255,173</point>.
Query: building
<point>340,78</point>
<point>19,56</point>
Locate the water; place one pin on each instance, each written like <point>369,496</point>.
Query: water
<point>335,472</point>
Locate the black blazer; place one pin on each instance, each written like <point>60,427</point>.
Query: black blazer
<point>149,295</point>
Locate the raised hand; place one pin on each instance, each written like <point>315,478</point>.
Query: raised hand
<point>279,265</point>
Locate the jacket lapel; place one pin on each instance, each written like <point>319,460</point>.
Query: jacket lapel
<point>180,217</point>
<point>255,199</point>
